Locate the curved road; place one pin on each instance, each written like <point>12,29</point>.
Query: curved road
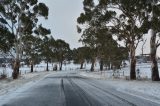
<point>70,89</point>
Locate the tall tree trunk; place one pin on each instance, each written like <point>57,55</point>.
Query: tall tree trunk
<point>111,66</point>
<point>31,68</point>
<point>47,67</point>
<point>18,48</point>
<point>81,65</point>
<point>16,66</point>
<point>132,62</point>
<point>101,65</point>
<point>60,68</point>
<point>92,65</point>
<point>153,51</point>
<point>31,63</point>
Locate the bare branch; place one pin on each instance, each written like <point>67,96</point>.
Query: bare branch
<point>139,40</point>
<point>157,45</point>
<point>7,22</point>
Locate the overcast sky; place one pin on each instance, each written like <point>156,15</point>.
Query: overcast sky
<point>62,22</point>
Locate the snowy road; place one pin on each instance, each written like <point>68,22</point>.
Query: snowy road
<point>71,89</point>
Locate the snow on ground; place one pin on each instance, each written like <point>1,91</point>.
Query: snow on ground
<point>9,85</point>
<point>138,87</point>
<point>143,87</point>
<point>37,68</point>
<point>144,71</point>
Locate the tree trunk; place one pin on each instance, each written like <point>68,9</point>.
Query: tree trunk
<point>133,69</point>
<point>81,65</point>
<point>31,63</point>
<point>16,66</point>
<point>31,68</point>
<point>111,66</point>
<point>101,65</point>
<point>92,66</point>
<point>60,68</point>
<point>18,49</point>
<point>153,51</point>
<point>47,67</point>
<point>132,62</point>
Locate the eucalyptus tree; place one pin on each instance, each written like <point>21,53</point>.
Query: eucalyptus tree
<point>45,44</point>
<point>31,49</point>
<point>52,50</point>
<point>35,46</point>
<point>46,52</point>
<point>81,55</point>
<point>129,26</point>
<point>106,46</point>
<point>143,15</point>
<point>118,56</point>
<point>88,37</point>
<point>21,18</point>
<point>61,49</point>
<point>152,9</point>
<point>94,18</point>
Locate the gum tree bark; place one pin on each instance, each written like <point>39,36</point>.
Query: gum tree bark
<point>16,69</point>
<point>92,65</point>
<point>101,64</point>
<point>31,63</point>
<point>60,65</point>
<point>132,61</point>
<point>153,51</point>
<point>81,65</point>
<point>47,67</point>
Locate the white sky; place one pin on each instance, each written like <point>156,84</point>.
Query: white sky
<point>62,21</point>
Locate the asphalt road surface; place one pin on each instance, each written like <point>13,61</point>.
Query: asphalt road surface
<point>70,89</point>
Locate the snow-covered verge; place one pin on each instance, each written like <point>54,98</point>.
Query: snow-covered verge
<point>144,71</point>
<point>24,69</point>
<point>37,68</point>
<point>145,89</point>
<point>9,85</point>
